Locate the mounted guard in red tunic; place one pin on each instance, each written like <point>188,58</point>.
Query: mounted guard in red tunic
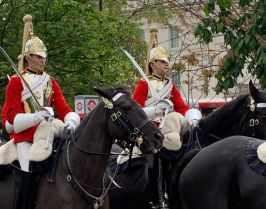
<point>31,98</point>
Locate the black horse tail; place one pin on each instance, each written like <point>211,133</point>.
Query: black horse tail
<point>175,202</point>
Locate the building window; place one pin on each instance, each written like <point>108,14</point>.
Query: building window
<point>174,39</point>
<point>176,78</point>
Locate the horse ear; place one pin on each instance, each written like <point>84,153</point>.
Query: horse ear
<point>253,91</point>
<point>106,92</point>
<point>124,89</point>
<point>100,92</point>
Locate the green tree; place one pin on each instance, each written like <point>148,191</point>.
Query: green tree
<point>243,26</point>
<point>84,44</point>
<point>195,61</point>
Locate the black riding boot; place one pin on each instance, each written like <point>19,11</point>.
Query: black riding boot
<point>25,190</point>
<point>152,176</point>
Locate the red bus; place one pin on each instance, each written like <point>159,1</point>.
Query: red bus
<point>208,105</point>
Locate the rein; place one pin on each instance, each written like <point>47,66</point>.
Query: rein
<point>78,186</point>
<point>133,137</point>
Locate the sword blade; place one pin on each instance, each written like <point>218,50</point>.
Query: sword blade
<point>19,74</point>
<point>136,65</point>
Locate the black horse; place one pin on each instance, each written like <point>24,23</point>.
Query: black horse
<point>241,116</point>
<point>225,175</point>
<point>81,165</point>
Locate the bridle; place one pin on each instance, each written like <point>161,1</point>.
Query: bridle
<point>135,137</point>
<point>254,120</point>
<point>134,131</point>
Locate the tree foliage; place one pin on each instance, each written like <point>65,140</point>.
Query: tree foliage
<point>84,44</point>
<point>243,25</point>
<point>195,61</point>
<point>231,39</point>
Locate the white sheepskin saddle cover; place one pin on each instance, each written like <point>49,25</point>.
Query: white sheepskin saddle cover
<point>174,127</point>
<point>42,146</point>
<point>8,153</point>
<point>261,151</point>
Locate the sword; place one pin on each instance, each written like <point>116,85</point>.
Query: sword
<point>19,75</point>
<point>142,74</point>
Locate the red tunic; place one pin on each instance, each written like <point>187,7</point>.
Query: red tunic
<point>141,91</point>
<point>13,106</point>
<point>3,114</point>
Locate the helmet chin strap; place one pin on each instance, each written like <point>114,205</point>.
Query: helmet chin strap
<point>35,66</point>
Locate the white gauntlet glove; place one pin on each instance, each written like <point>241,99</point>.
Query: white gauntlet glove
<point>162,106</point>
<point>193,116</point>
<point>72,121</point>
<point>23,121</point>
<point>159,109</point>
<point>70,126</point>
<point>45,113</point>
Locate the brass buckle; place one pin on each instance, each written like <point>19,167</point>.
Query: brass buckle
<point>113,117</point>
<point>253,122</point>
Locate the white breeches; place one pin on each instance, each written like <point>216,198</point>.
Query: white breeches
<point>23,155</point>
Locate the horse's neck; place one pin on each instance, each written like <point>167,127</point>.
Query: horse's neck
<point>219,126</point>
<point>90,166</point>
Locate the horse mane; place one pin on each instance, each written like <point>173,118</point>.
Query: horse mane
<point>82,125</point>
<point>224,117</point>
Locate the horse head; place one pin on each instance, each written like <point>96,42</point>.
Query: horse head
<point>244,115</point>
<point>257,116</point>
<point>128,125</point>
